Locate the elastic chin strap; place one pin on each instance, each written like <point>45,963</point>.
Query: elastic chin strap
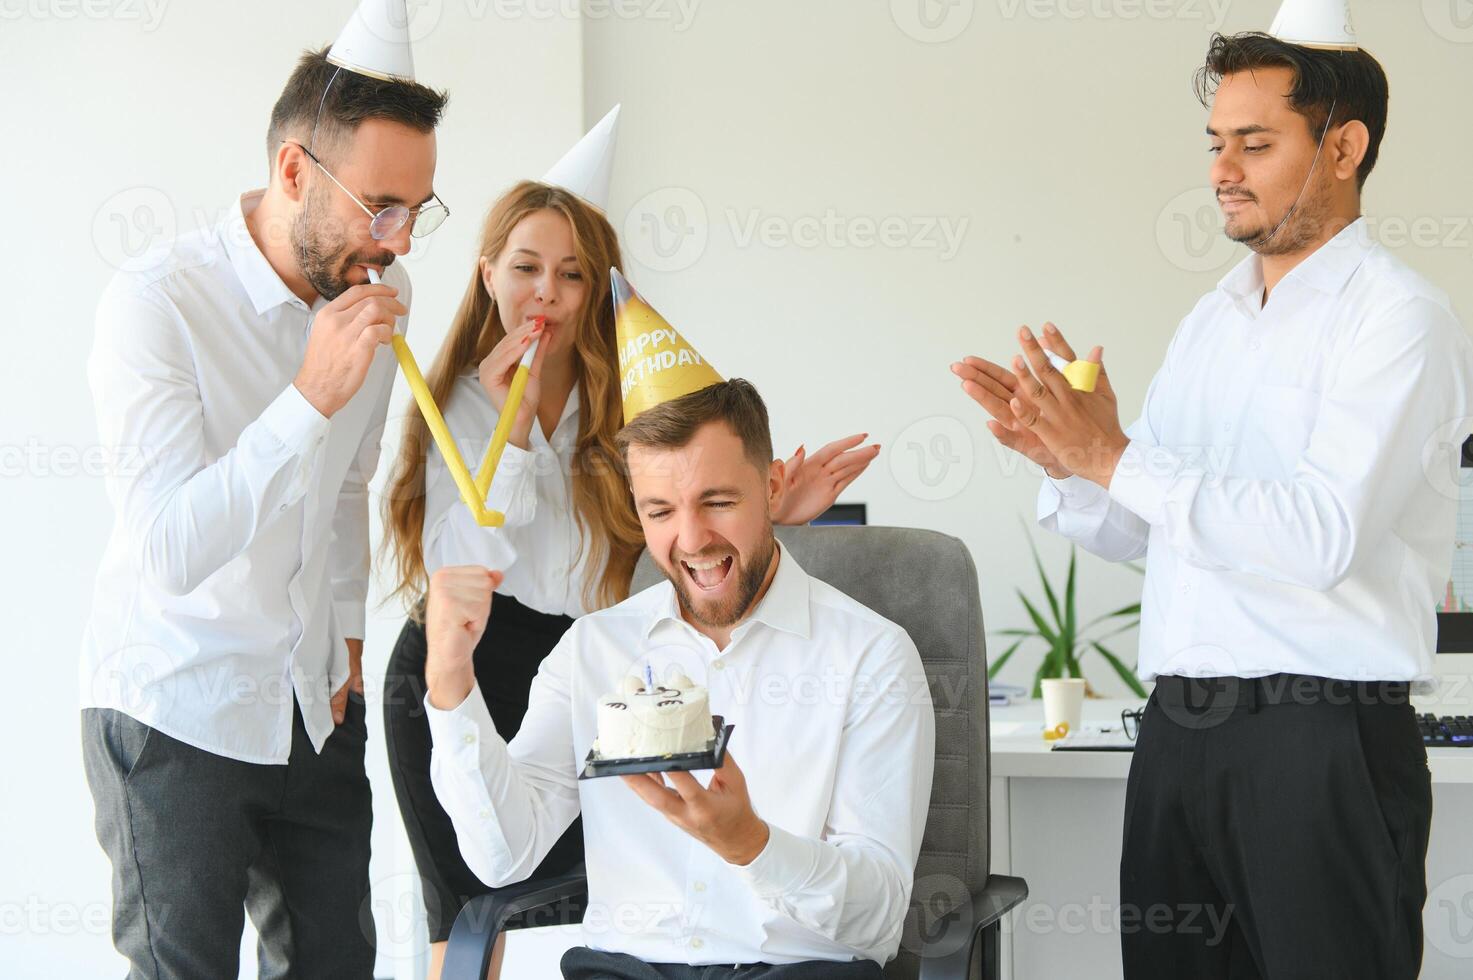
<point>312,140</point>
<point>1259,243</point>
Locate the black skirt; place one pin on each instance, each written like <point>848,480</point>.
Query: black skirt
<point>516,641</point>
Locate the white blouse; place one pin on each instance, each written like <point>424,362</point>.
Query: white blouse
<point>540,547</point>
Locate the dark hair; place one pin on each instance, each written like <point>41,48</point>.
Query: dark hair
<point>1353,81</point>
<point>350,99</point>
<point>672,424</point>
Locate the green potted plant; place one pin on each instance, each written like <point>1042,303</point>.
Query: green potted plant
<point>1064,640</point>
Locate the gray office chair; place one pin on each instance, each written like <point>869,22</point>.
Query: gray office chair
<point>927,583</point>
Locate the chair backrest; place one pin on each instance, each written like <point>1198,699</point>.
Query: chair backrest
<point>925,582</point>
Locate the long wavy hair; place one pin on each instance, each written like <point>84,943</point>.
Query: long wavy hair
<point>608,524</point>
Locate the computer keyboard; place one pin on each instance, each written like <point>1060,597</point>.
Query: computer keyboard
<point>1449,731</point>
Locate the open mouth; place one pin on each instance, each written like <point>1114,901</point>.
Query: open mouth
<point>710,574</point>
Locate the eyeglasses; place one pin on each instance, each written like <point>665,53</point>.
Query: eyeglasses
<point>1131,722</point>
<point>387,222</point>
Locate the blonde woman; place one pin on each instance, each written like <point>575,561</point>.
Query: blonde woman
<point>571,537</point>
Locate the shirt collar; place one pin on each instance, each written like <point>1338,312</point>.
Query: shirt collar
<point>784,607</point>
<point>262,284</point>
<point>1327,269</point>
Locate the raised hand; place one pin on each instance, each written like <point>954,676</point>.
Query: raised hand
<point>456,612</point>
<point>499,366</point>
<point>814,483</point>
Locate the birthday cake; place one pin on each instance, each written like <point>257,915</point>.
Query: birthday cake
<point>640,720</point>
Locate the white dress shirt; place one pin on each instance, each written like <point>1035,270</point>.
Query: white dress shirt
<point>532,487</point>
<point>1291,480</point>
<point>834,732</point>
<point>238,561</point>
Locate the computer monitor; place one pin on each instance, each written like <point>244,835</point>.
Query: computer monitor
<point>1455,611</point>
<point>843,515</point>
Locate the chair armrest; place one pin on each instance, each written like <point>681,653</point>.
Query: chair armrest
<point>473,937</point>
<point>950,954</point>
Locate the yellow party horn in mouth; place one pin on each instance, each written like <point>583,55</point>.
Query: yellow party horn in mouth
<point>1081,375</point>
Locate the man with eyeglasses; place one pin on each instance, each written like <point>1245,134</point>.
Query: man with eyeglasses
<point>223,722</point>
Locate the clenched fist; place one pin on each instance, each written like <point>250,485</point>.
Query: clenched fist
<point>456,612</point>
<point>346,334</point>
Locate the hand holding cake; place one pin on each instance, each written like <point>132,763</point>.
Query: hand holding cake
<point>719,815</point>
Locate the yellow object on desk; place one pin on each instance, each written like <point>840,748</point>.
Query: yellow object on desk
<point>473,489</point>
<point>1057,732</point>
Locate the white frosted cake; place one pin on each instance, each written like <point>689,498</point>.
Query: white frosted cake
<point>638,722</point>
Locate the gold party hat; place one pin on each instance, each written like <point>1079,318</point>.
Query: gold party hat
<point>656,364</point>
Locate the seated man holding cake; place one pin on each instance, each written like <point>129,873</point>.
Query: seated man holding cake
<point>797,864</point>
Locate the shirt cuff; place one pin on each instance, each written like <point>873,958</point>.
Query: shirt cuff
<point>1142,480</point>
<point>294,423</point>
<point>782,867</point>
<point>463,730</point>
<point>1075,488</point>
<point>513,485</point>
<point>352,619</point>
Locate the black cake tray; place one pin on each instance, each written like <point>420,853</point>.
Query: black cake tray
<point>712,758</point>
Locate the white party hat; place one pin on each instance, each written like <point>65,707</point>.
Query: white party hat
<point>588,168</point>
<point>375,42</point>
<point>1324,24</point>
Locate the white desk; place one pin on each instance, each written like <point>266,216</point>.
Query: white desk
<point>1057,819</point>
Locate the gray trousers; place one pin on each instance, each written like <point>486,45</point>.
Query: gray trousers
<point>196,840</point>
<point>582,963</point>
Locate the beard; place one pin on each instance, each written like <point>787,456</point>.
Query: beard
<point>321,248</point>
<point>1303,226</point>
<point>720,614</point>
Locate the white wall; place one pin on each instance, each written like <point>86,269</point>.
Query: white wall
<point>1067,148</point>
<point>1062,136</point>
<point>156,123</point>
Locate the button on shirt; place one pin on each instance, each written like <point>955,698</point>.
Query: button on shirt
<point>540,547</point>
<point>834,732</point>
<point>1291,481</point>
<point>238,560</point>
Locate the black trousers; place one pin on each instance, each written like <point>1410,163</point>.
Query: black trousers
<point>196,840</point>
<point>1275,834</point>
<point>516,641</point>
<point>582,963</point>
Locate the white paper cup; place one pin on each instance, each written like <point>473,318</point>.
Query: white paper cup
<point>1063,702</point>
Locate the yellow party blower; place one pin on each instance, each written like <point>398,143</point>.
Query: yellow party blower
<point>1081,375</point>
<point>473,490</point>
